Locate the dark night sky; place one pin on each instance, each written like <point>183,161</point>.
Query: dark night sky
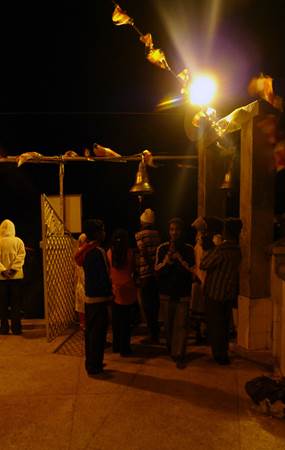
<point>68,55</point>
<point>60,59</point>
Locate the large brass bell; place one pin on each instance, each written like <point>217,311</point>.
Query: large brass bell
<point>227,183</point>
<point>142,185</point>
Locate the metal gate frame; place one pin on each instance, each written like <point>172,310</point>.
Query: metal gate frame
<point>58,247</point>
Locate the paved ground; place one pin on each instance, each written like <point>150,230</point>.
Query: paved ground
<point>48,402</point>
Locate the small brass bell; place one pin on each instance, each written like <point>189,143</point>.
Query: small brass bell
<point>228,178</point>
<point>142,185</point>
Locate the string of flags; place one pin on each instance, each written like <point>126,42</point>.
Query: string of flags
<point>98,152</point>
<point>154,55</point>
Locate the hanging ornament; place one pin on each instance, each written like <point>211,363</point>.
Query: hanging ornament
<point>99,150</point>
<point>184,77</point>
<point>157,57</point>
<point>24,157</point>
<point>120,17</point>
<point>147,40</point>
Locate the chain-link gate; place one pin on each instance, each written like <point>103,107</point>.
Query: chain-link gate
<point>58,263</point>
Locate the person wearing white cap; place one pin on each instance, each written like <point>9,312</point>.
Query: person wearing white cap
<point>148,240</point>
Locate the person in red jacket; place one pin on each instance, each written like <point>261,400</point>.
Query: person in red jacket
<point>122,266</point>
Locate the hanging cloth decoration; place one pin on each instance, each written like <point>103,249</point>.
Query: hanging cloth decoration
<point>21,159</point>
<point>154,55</point>
<point>120,17</point>
<point>99,150</point>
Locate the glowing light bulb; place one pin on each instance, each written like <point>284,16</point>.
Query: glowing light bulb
<point>202,90</point>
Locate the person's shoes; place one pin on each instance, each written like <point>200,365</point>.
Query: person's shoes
<point>222,360</point>
<point>4,327</point>
<point>4,331</point>
<point>107,344</point>
<point>95,370</point>
<point>150,341</point>
<point>180,363</point>
<point>17,332</point>
<point>201,340</point>
<point>127,353</point>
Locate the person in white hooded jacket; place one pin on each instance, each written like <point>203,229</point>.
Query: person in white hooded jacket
<point>12,258</point>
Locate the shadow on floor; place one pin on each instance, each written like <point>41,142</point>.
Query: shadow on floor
<point>202,396</point>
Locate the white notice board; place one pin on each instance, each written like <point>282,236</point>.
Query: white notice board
<point>72,210</point>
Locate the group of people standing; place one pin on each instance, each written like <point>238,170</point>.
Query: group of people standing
<point>163,273</point>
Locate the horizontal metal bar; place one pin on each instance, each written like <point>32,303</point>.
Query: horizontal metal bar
<point>68,159</point>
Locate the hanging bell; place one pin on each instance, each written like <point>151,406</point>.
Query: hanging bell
<point>227,183</point>
<point>142,185</point>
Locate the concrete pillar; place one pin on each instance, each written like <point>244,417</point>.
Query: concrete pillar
<point>278,304</point>
<point>257,214</point>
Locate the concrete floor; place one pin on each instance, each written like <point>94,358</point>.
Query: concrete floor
<point>48,402</point>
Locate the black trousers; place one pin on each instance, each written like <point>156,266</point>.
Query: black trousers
<point>11,296</point>
<point>96,326</point>
<point>218,316</point>
<point>121,324</point>
<point>151,303</point>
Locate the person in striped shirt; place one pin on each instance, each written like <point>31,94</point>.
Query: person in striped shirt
<point>221,264</point>
<point>147,240</point>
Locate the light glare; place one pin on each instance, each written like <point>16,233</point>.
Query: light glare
<point>202,90</point>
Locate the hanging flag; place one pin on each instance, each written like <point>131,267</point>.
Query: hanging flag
<point>21,159</point>
<point>70,154</point>
<point>148,158</point>
<point>262,86</point>
<point>120,17</point>
<point>157,57</point>
<point>99,150</point>
<point>147,40</point>
<point>184,77</point>
<point>279,155</point>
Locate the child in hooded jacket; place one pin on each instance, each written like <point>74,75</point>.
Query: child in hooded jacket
<point>12,258</point>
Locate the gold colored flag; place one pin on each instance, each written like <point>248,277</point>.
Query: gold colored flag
<point>99,150</point>
<point>184,77</point>
<point>120,17</point>
<point>262,86</point>
<point>157,57</point>
<point>147,40</point>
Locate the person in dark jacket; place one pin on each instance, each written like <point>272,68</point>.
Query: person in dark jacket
<point>174,266</point>
<point>98,292</point>
<point>221,264</point>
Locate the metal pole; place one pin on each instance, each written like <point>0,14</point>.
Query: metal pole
<point>61,193</point>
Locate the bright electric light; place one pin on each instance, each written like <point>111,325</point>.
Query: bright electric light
<point>202,90</point>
